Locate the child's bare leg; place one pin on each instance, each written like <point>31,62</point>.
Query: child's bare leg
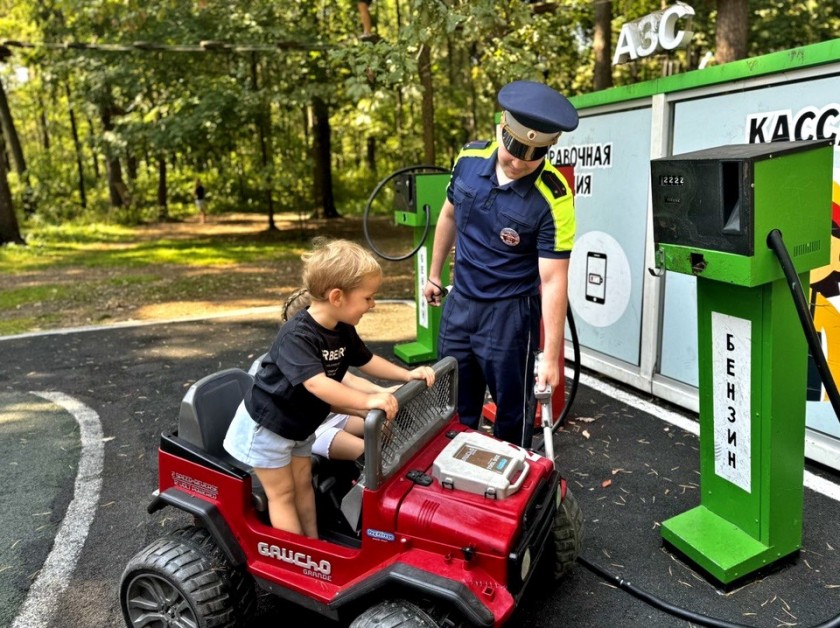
<point>355,425</point>
<point>346,446</point>
<point>279,488</point>
<point>304,495</point>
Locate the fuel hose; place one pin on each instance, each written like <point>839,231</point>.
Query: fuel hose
<point>375,193</point>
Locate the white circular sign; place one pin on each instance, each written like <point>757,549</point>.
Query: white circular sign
<point>599,279</point>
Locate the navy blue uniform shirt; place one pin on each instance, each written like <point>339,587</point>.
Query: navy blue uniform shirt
<point>503,230</point>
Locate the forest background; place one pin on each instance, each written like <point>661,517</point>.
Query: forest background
<point>111,109</point>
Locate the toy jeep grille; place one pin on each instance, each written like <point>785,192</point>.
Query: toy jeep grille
<point>389,444</point>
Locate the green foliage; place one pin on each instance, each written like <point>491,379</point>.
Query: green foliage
<point>200,112</point>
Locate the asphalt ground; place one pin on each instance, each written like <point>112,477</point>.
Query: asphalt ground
<point>629,465</point>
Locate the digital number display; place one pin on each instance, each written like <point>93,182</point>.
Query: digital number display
<point>671,179</point>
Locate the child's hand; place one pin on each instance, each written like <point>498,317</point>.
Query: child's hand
<point>385,402</point>
<point>423,372</point>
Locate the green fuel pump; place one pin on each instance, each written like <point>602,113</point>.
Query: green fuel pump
<point>419,195</point>
<point>419,203</point>
<point>712,213</point>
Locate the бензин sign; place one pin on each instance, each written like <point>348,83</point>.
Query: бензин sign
<point>653,33</point>
<point>731,390</point>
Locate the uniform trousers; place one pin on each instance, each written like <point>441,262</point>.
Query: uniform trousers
<point>495,343</point>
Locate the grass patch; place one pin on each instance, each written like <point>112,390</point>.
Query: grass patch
<point>76,274</point>
<point>77,291</point>
<point>12,326</point>
<point>114,247</point>
<point>14,298</point>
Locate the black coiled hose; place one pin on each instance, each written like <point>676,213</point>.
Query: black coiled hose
<point>375,193</point>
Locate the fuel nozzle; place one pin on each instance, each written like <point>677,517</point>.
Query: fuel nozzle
<point>543,396</point>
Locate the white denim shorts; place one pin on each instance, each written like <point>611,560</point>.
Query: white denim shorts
<point>326,432</point>
<point>258,446</point>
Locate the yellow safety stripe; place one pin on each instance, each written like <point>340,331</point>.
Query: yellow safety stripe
<point>483,153</point>
<point>562,210</point>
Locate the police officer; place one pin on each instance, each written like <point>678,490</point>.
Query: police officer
<point>510,215</point>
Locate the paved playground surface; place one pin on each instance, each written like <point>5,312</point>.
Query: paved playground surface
<point>631,462</point>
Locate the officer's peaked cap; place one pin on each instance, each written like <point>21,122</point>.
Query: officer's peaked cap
<point>538,107</point>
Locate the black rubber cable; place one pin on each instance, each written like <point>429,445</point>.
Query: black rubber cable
<point>777,244</point>
<point>575,377</point>
<point>575,372</point>
<point>654,601</point>
<point>375,193</point>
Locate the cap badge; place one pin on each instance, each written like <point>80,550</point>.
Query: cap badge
<point>509,236</point>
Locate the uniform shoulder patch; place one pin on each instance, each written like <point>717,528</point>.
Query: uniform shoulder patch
<point>477,145</point>
<point>553,183</point>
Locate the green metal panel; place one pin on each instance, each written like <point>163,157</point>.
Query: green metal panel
<point>793,194</point>
<point>734,532</point>
<point>430,194</point>
<point>784,61</point>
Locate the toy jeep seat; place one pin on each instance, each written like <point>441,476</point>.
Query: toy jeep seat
<point>206,412</point>
<point>208,408</point>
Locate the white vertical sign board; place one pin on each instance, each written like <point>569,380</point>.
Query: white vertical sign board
<point>423,312</point>
<point>731,390</point>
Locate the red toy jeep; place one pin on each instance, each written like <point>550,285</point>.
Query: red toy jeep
<point>440,526</point>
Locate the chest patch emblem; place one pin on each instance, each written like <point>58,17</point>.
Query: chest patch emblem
<point>509,236</point>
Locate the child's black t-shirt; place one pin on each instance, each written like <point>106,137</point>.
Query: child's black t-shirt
<point>303,348</point>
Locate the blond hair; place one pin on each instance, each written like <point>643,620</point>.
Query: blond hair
<point>336,264</point>
<point>297,301</point>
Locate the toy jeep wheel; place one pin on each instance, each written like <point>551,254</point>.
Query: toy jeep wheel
<point>394,614</point>
<point>184,580</point>
<point>567,534</point>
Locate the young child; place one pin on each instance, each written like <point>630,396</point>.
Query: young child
<point>340,436</point>
<point>302,377</point>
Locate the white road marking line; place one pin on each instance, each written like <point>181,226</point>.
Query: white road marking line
<point>45,592</point>
<point>811,481</point>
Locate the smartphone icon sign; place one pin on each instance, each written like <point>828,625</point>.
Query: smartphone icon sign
<point>596,276</point>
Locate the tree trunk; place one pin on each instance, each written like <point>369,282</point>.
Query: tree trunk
<point>9,230</point>
<point>371,153</point>
<point>131,167</point>
<point>263,123</point>
<point>163,208</point>
<point>91,145</point>
<point>12,139</point>
<point>322,149</point>
<point>424,68</point>
<point>116,186</point>
<point>43,125</point>
<point>77,146</point>
<point>602,44</point>
<point>732,30</point>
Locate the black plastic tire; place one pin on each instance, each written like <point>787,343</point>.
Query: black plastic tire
<point>567,534</point>
<point>394,614</point>
<point>184,579</point>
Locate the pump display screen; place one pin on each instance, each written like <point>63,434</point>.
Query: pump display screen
<point>671,179</point>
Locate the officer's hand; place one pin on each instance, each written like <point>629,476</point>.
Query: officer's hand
<point>547,375</point>
<point>433,292</point>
